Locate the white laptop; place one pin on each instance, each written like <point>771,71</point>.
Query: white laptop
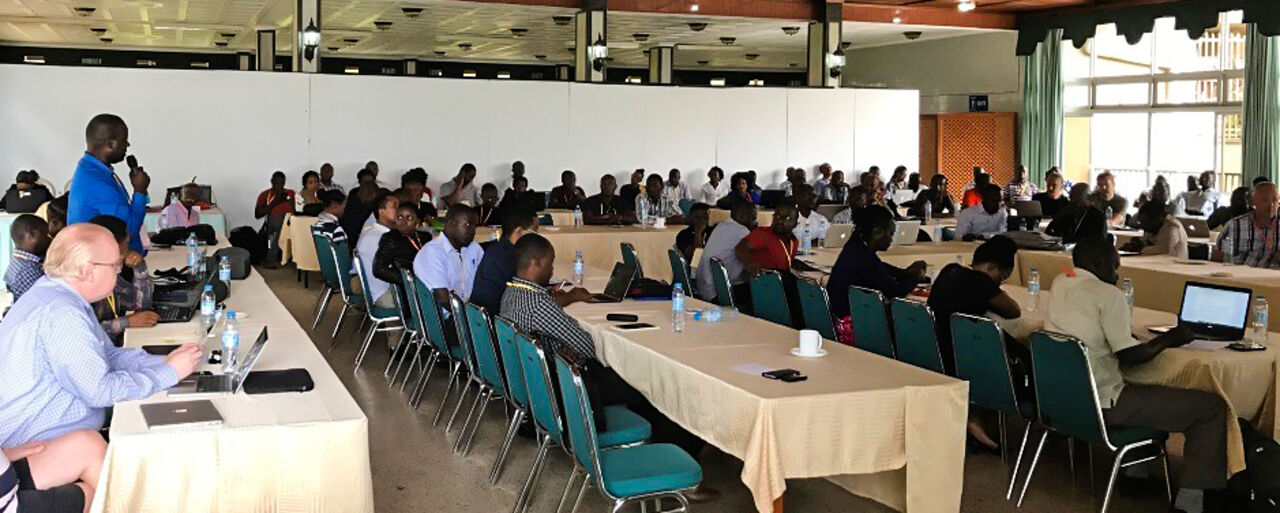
<point>1195,227</point>
<point>906,233</point>
<point>222,384</point>
<point>200,413</point>
<point>838,235</point>
<point>903,196</point>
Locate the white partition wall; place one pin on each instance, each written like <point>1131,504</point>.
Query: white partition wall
<point>231,129</point>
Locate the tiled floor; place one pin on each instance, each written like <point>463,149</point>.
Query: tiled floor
<point>415,470</point>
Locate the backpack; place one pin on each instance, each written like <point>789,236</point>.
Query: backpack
<point>1257,488</point>
<point>249,239</point>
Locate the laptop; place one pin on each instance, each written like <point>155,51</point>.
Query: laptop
<point>1028,208</point>
<point>903,196</point>
<point>222,384</point>
<point>619,284</point>
<point>906,233</point>
<point>1195,227</point>
<point>181,414</point>
<point>1213,312</point>
<point>185,307</point>
<point>838,235</point>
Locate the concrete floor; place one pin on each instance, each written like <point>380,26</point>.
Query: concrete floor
<point>415,470</point>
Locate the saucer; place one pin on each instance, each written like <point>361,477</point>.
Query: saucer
<point>796,352</point>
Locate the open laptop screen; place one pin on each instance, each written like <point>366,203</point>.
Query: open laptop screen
<point>1214,307</point>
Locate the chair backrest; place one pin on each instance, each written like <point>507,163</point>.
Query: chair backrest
<point>630,258</point>
<point>917,342</point>
<point>982,361</point>
<point>480,326</point>
<point>720,279</point>
<point>680,271</point>
<point>816,308</point>
<point>328,266</point>
<point>342,258</point>
<point>768,300</point>
<point>409,284</point>
<point>401,295</point>
<point>870,321</point>
<point>537,381</point>
<point>432,323</point>
<point>578,418</point>
<point>358,261</point>
<point>505,332</point>
<point>1065,390</point>
<point>462,332</point>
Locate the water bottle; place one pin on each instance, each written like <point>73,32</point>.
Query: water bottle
<point>230,343</point>
<point>579,269</point>
<point>1033,290</point>
<point>577,217</point>
<point>713,314</point>
<point>162,222</point>
<point>805,243</point>
<point>1258,331</point>
<point>193,255</point>
<point>208,311</point>
<point>677,308</point>
<point>928,211</point>
<point>224,272</point>
<point>1126,285</point>
<point>1228,250</point>
<point>1109,214</point>
<point>644,215</point>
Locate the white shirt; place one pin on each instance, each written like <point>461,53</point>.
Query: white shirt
<point>1097,314</point>
<point>1202,201</point>
<point>441,266</point>
<point>678,192</point>
<point>720,245</point>
<point>815,222</point>
<point>977,221</point>
<point>820,185</point>
<point>367,247</point>
<point>710,194</point>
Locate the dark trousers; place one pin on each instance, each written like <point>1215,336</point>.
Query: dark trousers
<point>1201,416</point>
<point>612,389</point>
<point>742,298</point>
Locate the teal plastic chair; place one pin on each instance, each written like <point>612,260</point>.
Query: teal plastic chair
<point>917,342</point>
<point>720,280</point>
<point>680,271</point>
<point>488,372</point>
<point>630,258</point>
<point>686,206</point>
<point>870,322</point>
<point>516,395</point>
<point>329,274</point>
<point>624,474</point>
<point>433,327</point>
<point>1067,395</point>
<point>383,319</point>
<point>411,335</point>
<point>981,360</point>
<point>467,356</point>
<point>624,428</point>
<point>816,308</point>
<point>769,299</point>
<point>417,323</point>
<point>350,300</point>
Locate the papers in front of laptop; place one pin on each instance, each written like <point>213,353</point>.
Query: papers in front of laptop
<point>1206,345</point>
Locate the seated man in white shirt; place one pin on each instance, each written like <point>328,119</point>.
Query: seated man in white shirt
<point>1201,202</point>
<point>715,188</point>
<point>1087,305</point>
<point>184,212</point>
<point>367,247</point>
<point>810,221</point>
<point>448,263</point>
<point>984,219</point>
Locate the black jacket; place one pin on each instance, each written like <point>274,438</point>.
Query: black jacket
<point>1075,223</point>
<point>395,250</point>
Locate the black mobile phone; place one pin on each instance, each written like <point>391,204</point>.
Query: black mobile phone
<point>781,374</point>
<point>161,349</point>
<point>794,378</point>
<point>1244,348</point>
<point>636,326</point>
<point>619,317</point>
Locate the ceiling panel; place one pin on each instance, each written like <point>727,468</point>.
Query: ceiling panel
<point>445,29</point>
<point>986,5</point>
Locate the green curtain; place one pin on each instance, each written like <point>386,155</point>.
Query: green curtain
<point>1262,107</point>
<point>1041,134</point>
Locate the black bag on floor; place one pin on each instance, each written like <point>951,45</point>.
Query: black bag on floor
<point>1257,488</point>
<point>249,239</point>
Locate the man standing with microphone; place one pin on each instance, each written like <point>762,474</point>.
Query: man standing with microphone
<point>96,190</point>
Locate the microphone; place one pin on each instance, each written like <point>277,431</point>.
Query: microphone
<point>132,161</point>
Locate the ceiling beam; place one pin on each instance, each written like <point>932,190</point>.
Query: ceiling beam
<point>1095,6</point>
<point>919,15</point>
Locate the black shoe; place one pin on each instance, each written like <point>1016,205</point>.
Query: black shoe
<point>979,447</point>
<point>526,430</point>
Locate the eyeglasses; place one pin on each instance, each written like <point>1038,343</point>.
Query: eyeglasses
<point>118,264</point>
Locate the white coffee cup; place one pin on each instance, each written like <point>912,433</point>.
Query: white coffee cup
<point>810,342</point>
<point>659,222</point>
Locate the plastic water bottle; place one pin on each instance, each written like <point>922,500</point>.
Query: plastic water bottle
<point>713,314</point>
<point>224,271</point>
<point>162,222</point>
<point>193,255</point>
<point>230,343</point>
<point>577,217</point>
<point>677,308</point>
<point>1126,285</point>
<point>208,311</point>
<point>928,211</point>
<point>644,217</point>
<point>579,269</point>
<point>1109,214</point>
<point>1258,330</point>
<point>805,243</point>
<point>1228,250</point>
<point>1033,290</point>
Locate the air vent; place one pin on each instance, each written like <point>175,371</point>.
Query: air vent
<point>85,11</point>
<point>752,56</point>
<point>106,40</point>
<point>540,57</point>
<point>466,47</point>
<point>519,32</point>
<point>440,53</point>
<point>220,44</point>
<point>640,38</point>
<point>703,63</point>
<point>697,26</point>
<point>98,30</point>
<point>562,20</point>
<point>728,40</point>
<point>382,25</point>
<point>411,12</point>
<point>790,31</point>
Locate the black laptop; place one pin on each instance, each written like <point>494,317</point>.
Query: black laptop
<point>619,284</point>
<point>1214,312</point>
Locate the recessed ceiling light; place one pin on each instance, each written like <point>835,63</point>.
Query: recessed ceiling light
<point>728,40</point>
<point>85,11</point>
<point>704,63</point>
<point>717,82</point>
<point>693,8</point>
<point>33,59</point>
<point>519,32</point>
<point>411,12</point>
<point>790,31</point>
<point>697,26</point>
<point>562,20</point>
<point>640,37</point>
<point>146,63</point>
<point>440,53</point>
<point>469,73</point>
<point>98,30</point>
<point>504,74</point>
<point>755,82</point>
<point>752,56</point>
<point>635,80</point>
<point>466,47</point>
<point>382,25</point>
<point>199,64</point>
<point>333,48</point>
<point>106,40</point>
<point>967,5</point>
<point>220,44</point>
<point>540,57</point>
<point>352,70</point>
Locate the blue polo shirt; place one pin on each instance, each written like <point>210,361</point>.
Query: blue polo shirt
<point>96,191</point>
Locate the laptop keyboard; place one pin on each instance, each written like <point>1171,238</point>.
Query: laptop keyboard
<point>170,314</point>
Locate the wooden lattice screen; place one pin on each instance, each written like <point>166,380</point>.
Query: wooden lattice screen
<point>987,139</point>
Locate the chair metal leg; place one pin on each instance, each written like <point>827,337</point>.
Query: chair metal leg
<point>415,399</point>
<point>1115,469</point>
<point>337,327</point>
<point>582,492</point>
<point>1031,471</point>
<point>417,355</point>
<point>484,405</point>
<point>1071,459</point>
<point>453,377</point>
<point>466,387</point>
<point>1004,440</point>
<point>564,496</point>
<point>1013,479</point>
<point>322,304</point>
<point>512,427</point>
<point>364,348</point>
<point>466,421</point>
<point>531,480</point>
<point>1168,484</point>
<point>404,355</point>
<point>396,350</point>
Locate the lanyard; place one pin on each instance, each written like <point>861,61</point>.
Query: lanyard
<point>463,275</point>
<point>523,286</point>
<point>786,250</point>
<point>25,257</point>
<point>111,303</point>
<point>484,221</point>
<point>413,239</point>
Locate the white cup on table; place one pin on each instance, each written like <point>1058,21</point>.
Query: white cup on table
<point>810,343</point>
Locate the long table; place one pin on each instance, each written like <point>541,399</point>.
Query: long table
<point>601,245</point>
<point>877,427</point>
<point>303,452</point>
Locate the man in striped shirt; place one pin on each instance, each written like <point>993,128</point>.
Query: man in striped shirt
<point>1252,238</point>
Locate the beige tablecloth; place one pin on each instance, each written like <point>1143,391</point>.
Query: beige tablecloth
<point>1247,381</point>
<point>601,245</point>
<point>296,244</point>
<point>877,427</point>
<point>763,217</point>
<point>937,255</point>
<point>291,452</point>
<point>559,216</point>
